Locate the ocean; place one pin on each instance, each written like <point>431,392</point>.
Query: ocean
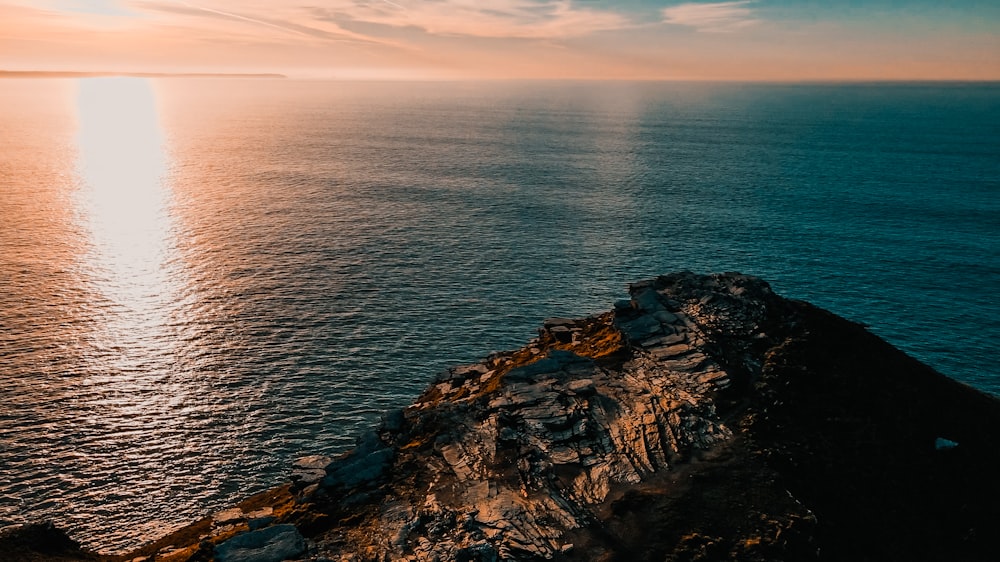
<point>203,279</point>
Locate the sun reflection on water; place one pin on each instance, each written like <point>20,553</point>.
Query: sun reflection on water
<point>124,205</point>
<point>145,406</point>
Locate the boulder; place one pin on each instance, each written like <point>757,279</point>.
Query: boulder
<point>271,544</point>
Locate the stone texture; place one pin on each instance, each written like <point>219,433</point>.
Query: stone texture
<point>705,418</point>
<point>309,470</point>
<point>272,544</point>
<point>525,451</point>
<point>569,447</point>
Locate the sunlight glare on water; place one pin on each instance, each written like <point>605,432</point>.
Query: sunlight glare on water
<point>135,407</point>
<point>123,205</point>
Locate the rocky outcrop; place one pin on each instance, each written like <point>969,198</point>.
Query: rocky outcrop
<point>705,418</point>
<point>39,542</point>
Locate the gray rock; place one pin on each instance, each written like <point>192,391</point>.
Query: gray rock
<point>528,373</point>
<point>393,421</point>
<point>665,317</point>
<point>228,516</point>
<point>648,300</point>
<point>364,465</point>
<point>468,370</point>
<point>671,351</point>
<point>272,544</point>
<point>559,322</point>
<point>641,328</point>
<point>308,470</point>
<point>483,552</point>
<point>554,362</point>
<point>562,334</point>
<point>260,522</point>
<point>581,386</point>
<point>623,305</point>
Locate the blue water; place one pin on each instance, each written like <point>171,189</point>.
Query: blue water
<point>201,280</point>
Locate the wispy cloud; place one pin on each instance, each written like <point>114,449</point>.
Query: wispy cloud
<point>394,23</point>
<point>73,7</point>
<point>534,19</point>
<point>500,38</point>
<point>288,21</point>
<point>718,17</point>
<point>189,8</point>
<point>99,7</point>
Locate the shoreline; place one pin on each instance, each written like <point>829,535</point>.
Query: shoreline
<point>704,417</point>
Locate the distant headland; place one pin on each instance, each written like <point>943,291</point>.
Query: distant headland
<point>71,74</point>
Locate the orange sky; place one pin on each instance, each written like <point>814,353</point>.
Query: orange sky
<point>738,40</point>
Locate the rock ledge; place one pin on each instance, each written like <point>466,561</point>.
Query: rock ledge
<point>705,418</point>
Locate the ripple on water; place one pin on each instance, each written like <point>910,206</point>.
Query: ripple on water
<point>320,253</point>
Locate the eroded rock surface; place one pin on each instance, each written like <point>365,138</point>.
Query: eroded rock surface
<point>705,418</point>
<point>661,430</point>
<point>271,544</point>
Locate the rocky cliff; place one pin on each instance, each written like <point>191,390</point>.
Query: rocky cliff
<point>706,418</point>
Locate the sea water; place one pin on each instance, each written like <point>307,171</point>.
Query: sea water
<point>201,280</point>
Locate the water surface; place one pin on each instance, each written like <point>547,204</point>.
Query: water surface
<point>203,279</point>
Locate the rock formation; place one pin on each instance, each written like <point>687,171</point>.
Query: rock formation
<point>39,542</point>
<point>706,418</point>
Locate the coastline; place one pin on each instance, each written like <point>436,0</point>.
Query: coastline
<point>705,418</point>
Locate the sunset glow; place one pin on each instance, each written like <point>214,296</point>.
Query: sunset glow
<point>122,204</point>
<point>730,40</point>
<point>261,256</point>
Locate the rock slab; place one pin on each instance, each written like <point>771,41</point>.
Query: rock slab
<point>271,544</point>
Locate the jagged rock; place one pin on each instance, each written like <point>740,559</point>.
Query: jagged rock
<point>667,440</point>
<point>309,470</point>
<point>706,418</point>
<point>640,328</point>
<point>561,333</point>
<point>39,541</point>
<point>363,466</point>
<point>392,421</point>
<point>260,518</point>
<point>272,544</point>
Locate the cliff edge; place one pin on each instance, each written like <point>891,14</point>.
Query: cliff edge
<point>706,418</point>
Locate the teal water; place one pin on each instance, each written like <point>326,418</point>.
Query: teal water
<point>201,280</point>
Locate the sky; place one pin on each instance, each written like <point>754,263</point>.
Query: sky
<point>498,39</point>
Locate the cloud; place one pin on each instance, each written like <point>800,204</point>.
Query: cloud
<point>290,22</point>
<point>393,23</point>
<point>718,17</point>
<point>531,19</point>
<point>98,7</point>
<point>73,7</point>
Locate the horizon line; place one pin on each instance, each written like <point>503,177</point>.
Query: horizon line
<point>56,74</point>
<point>112,74</point>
